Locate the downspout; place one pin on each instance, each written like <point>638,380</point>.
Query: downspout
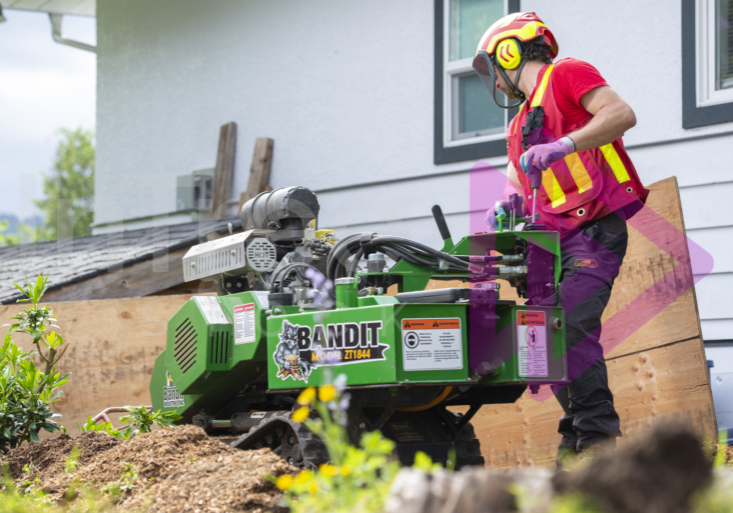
<point>56,20</point>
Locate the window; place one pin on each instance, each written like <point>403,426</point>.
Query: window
<point>468,124</point>
<point>707,62</point>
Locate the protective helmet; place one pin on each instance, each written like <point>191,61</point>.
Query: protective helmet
<point>501,46</point>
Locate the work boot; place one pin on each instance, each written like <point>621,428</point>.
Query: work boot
<point>591,452</point>
<point>597,449</point>
<point>566,456</point>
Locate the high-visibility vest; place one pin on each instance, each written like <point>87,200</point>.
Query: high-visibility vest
<point>583,186</point>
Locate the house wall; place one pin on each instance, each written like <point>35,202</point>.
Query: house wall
<point>346,91</point>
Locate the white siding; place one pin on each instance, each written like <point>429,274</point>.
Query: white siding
<point>346,91</point>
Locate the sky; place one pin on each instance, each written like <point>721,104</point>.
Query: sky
<point>44,86</point>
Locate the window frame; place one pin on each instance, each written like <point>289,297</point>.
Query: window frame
<point>702,105</point>
<point>446,148</point>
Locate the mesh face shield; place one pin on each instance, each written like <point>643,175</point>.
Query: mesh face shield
<point>486,70</point>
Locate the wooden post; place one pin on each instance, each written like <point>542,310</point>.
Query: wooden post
<point>259,173</point>
<point>224,169</point>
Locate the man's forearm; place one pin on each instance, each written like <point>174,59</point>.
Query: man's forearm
<point>608,125</point>
<point>612,117</point>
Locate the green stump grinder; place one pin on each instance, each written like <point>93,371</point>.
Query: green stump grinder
<point>297,307</point>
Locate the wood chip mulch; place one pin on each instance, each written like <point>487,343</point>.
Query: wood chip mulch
<point>180,469</point>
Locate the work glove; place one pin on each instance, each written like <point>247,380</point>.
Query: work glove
<point>544,155</point>
<point>501,207</point>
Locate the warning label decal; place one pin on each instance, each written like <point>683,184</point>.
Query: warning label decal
<point>244,323</point>
<point>211,309</point>
<point>431,344</point>
<point>532,344</point>
<point>263,298</point>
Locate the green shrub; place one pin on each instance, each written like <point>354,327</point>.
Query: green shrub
<point>27,390</point>
<point>143,419</point>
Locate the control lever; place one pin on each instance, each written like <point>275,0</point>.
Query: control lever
<point>515,209</point>
<point>535,180</point>
<point>442,225</point>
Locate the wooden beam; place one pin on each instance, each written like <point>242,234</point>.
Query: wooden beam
<point>142,279</point>
<point>224,172</point>
<point>259,172</point>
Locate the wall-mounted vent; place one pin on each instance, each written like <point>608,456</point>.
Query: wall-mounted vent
<point>194,191</point>
<point>184,349</point>
<point>219,348</point>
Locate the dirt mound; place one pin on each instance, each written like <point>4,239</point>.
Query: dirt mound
<point>180,469</point>
<point>49,456</point>
<point>230,482</point>
<point>155,455</point>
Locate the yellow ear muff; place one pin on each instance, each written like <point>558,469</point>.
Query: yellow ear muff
<point>508,54</point>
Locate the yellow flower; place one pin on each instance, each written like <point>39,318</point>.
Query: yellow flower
<point>345,470</point>
<point>326,393</point>
<point>328,470</point>
<point>303,476</point>
<point>284,482</point>
<point>313,488</point>
<point>306,396</point>
<point>301,414</point>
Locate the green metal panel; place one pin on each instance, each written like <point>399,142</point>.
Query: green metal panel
<point>506,333</point>
<point>164,393</point>
<point>203,346</point>
<point>370,347</point>
<point>362,346</point>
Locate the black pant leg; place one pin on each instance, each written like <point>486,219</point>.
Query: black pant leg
<point>591,261</point>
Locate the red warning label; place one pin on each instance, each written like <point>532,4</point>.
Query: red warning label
<point>431,324</point>
<point>530,318</point>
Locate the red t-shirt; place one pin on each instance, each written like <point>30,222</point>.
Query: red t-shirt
<point>571,79</point>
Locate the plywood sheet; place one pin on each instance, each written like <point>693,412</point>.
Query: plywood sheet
<point>660,384</point>
<point>652,340</point>
<point>113,344</point>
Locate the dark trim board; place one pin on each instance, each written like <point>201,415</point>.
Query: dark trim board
<point>692,115</point>
<point>443,155</point>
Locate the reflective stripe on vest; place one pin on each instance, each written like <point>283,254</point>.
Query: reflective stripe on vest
<point>552,188</point>
<point>577,169</point>
<point>516,118</point>
<point>537,100</point>
<point>579,173</point>
<point>615,162</point>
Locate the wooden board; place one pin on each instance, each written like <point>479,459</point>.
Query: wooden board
<point>259,172</point>
<point>656,359</point>
<point>113,344</point>
<point>224,172</point>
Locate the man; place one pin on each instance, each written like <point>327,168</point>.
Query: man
<point>567,135</point>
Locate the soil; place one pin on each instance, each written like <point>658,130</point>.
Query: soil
<point>49,456</point>
<point>179,469</point>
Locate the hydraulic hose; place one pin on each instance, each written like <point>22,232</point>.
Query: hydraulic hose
<point>439,399</point>
<point>287,270</point>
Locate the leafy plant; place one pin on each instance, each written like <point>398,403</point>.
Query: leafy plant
<point>72,463</point>
<point>117,490</point>
<point>358,478</point>
<point>143,419</point>
<point>27,390</point>
<point>94,425</point>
